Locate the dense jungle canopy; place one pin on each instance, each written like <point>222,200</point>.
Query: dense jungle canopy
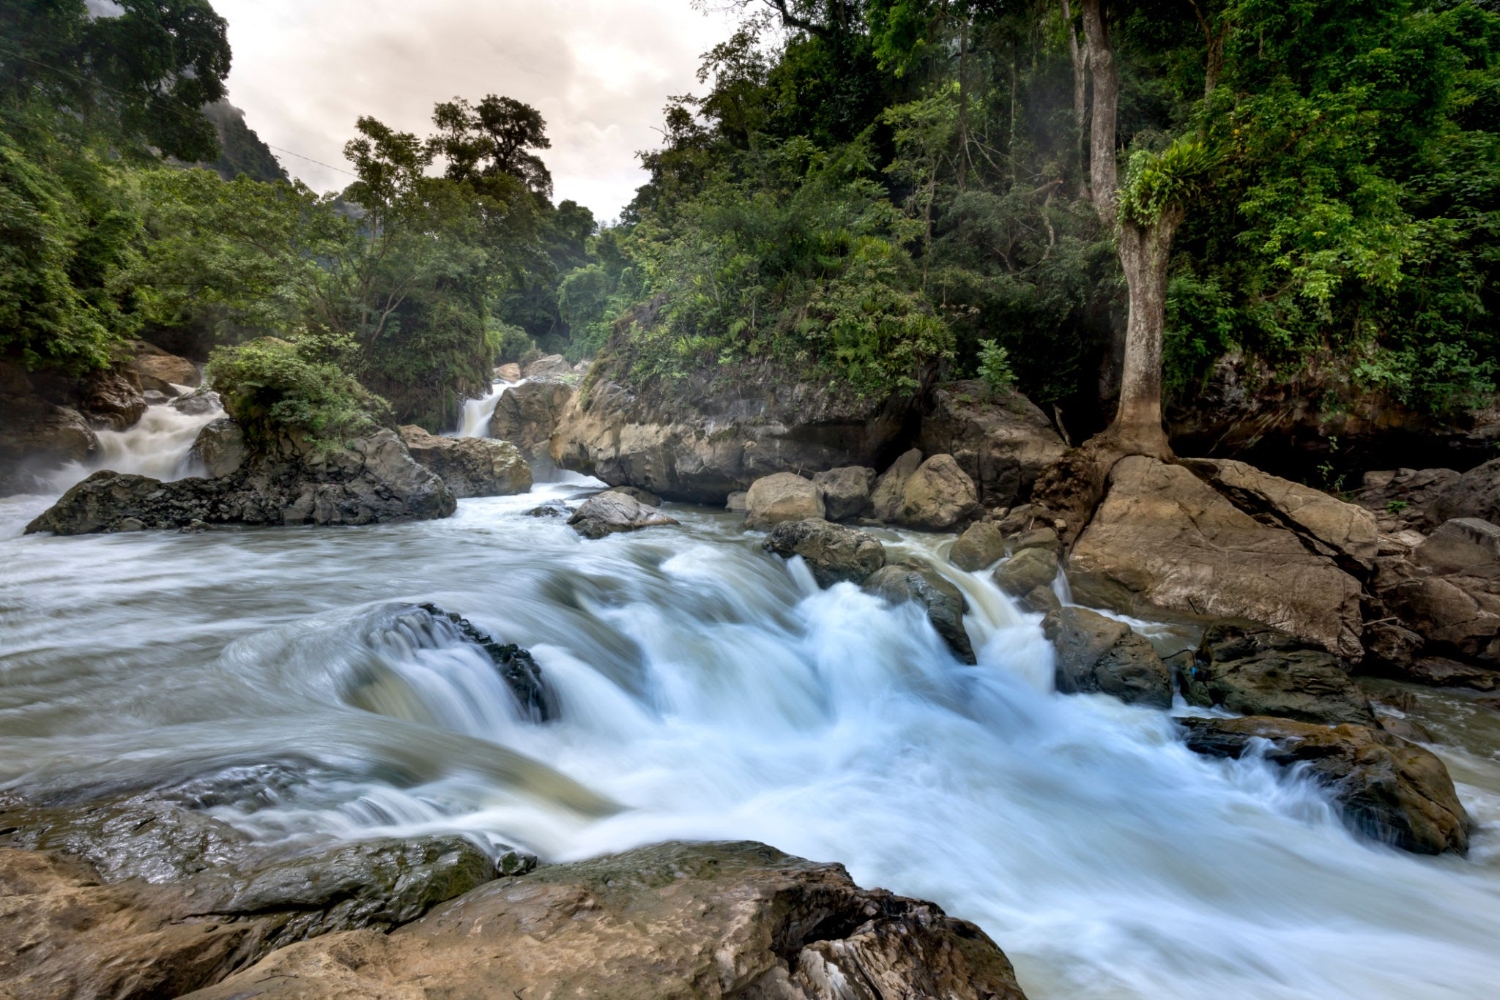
<point>882,192</point>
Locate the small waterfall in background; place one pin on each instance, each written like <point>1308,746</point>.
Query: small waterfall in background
<point>158,445</point>
<point>475,422</point>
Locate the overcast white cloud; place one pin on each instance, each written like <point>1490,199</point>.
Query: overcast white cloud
<point>598,70</point>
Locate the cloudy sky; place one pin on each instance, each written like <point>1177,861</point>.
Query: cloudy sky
<point>598,70</point>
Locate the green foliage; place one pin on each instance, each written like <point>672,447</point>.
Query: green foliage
<point>1156,183</point>
<point>507,343</point>
<point>271,386</point>
<point>994,367</point>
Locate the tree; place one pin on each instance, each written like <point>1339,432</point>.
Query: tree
<point>495,137</point>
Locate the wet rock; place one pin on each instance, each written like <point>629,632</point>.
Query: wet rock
<point>1387,788</point>
<point>686,921</point>
<point>198,403</point>
<point>1100,654</point>
<point>1389,646</point>
<point>1440,671</point>
<point>1040,601</point>
<point>372,479</point>
<point>638,495</point>
<point>1025,571</point>
<point>938,495</point>
<point>472,467</point>
<point>738,502</point>
<point>609,513</point>
<point>1027,517</point>
<point>1254,669</point>
<point>527,415</point>
<point>550,509</point>
<point>1164,539</point>
<point>845,491</point>
<point>784,496</point>
<point>888,494</point>
<point>221,448</point>
<point>517,668</point>
<point>1474,494</point>
<point>923,585</point>
<point>1037,538</point>
<point>112,397</point>
<point>979,547</point>
<point>1326,524</point>
<point>163,372</point>
<point>1001,441</point>
<point>833,552</point>
<point>552,364</point>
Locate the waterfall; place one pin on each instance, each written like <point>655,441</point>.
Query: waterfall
<point>158,445</point>
<point>475,422</point>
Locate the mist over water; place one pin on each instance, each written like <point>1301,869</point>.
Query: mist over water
<point>709,690</point>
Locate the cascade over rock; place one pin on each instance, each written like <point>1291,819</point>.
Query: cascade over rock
<point>714,432</point>
<point>833,552</point>
<point>1096,653</point>
<point>914,581</point>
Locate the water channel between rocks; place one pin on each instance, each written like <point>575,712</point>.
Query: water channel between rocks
<point>709,690</point>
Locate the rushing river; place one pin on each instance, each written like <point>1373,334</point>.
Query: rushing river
<point>709,690</point>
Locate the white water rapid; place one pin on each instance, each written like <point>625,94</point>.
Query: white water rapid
<point>158,445</point>
<point>709,690</point>
<point>475,420</point>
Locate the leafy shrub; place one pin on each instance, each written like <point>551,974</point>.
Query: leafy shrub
<point>994,366</point>
<point>509,343</point>
<point>270,386</point>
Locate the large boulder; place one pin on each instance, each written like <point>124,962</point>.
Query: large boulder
<point>552,364</point>
<point>1001,441</point>
<point>718,429</point>
<point>1474,494</point>
<point>1467,547</point>
<point>833,552</point>
<point>610,513</point>
<point>938,496</point>
<point>221,448</point>
<point>889,492</point>
<point>1165,540</point>
<point>472,467</point>
<point>921,584</point>
<point>1253,669</point>
<point>845,491</point>
<point>370,479</point>
<point>36,433</point>
<point>784,496</point>
<point>980,546</point>
<point>1027,570</point>
<point>1448,590</point>
<point>1387,788</point>
<point>159,371</point>
<point>1324,523</point>
<point>1099,654</point>
<point>526,415</point>
<point>687,921</point>
<point>112,398</point>
<point>1405,497</point>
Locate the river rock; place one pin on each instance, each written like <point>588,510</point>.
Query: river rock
<point>1099,654</point>
<point>509,372</point>
<point>1475,494</point>
<point>516,666</point>
<point>157,370</point>
<point>371,479</point>
<point>1037,538</point>
<point>220,447</point>
<point>1448,591</point>
<point>889,492</point>
<point>34,432</point>
<point>845,491</point>
<point>639,495</point>
<point>1001,441</point>
<point>1040,600</point>
<point>833,552</point>
<point>526,415</point>
<point>737,502</point>
<point>1164,539</point>
<point>609,512</point>
<point>113,398</point>
<point>1387,788</point>
<point>921,584</point>
<point>688,921</point>
<point>552,364</point>
<point>1325,524</point>
<point>980,546</point>
<point>1027,570</point>
<point>1254,669</point>
<point>784,496</point>
<point>719,428</point>
<point>938,496</point>
<point>472,467</point>
<point>1405,496</point>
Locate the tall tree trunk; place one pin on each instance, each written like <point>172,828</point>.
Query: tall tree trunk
<point>963,105</point>
<point>1144,253</point>
<point>1080,89</point>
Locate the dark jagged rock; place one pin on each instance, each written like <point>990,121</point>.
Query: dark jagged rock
<point>944,603</point>
<point>1388,788</point>
<point>686,921</point>
<point>833,552</point>
<point>1254,669</point>
<point>516,666</point>
<point>372,479</point>
<point>1099,654</point>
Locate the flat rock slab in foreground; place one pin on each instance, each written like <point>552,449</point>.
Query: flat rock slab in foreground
<point>681,921</point>
<point>1389,789</point>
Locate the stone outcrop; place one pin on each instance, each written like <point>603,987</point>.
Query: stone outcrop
<point>707,921</point>
<point>1447,591</point>
<point>159,371</point>
<point>1165,540</point>
<point>937,496</point>
<point>888,493</point>
<point>845,491</point>
<point>112,398</point>
<point>1475,494</point>
<point>1344,531</point>
<point>1098,654</point>
<point>610,513</point>
<point>1002,443</point>
<point>980,546</point>
<point>36,433</point>
<point>784,496</point>
<point>371,479</point>
<point>1387,788</point>
<point>921,584</point>
<point>833,552</point>
<point>527,415</point>
<point>221,449</point>
<point>552,364</point>
<point>1254,669</point>
<point>716,431</point>
<point>1406,497</point>
<point>1026,571</point>
<point>472,467</point>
